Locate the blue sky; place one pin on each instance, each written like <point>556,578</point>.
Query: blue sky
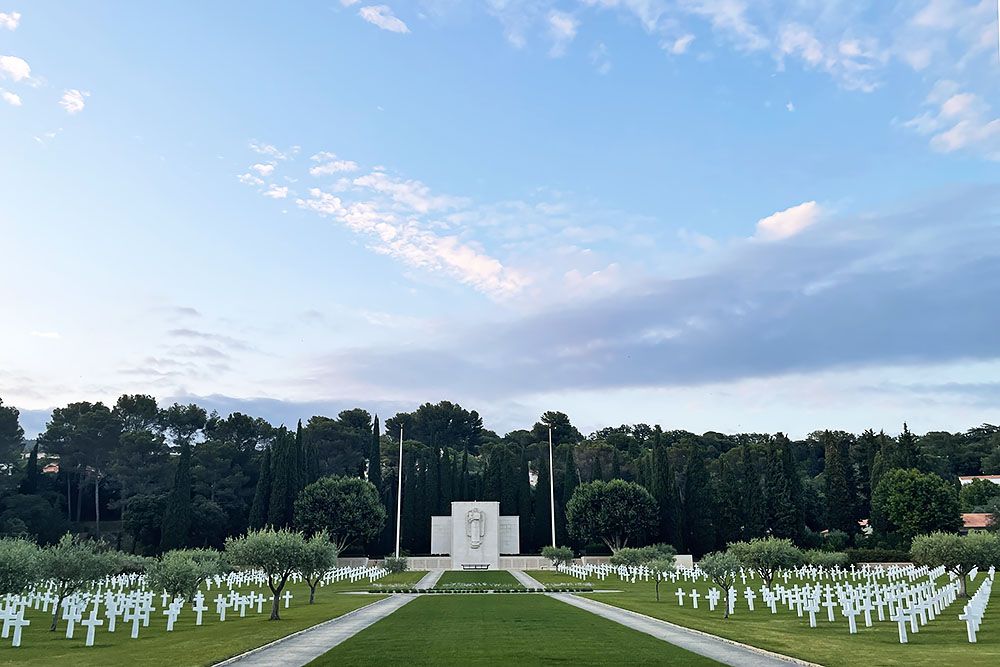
<point>711,214</point>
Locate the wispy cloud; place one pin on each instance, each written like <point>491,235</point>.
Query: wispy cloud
<point>14,68</point>
<point>382,17</point>
<point>562,30</point>
<point>10,98</point>
<point>958,121</point>
<point>51,335</point>
<point>73,100</point>
<point>10,21</point>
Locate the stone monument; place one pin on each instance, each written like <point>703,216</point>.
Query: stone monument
<point>475,535</point>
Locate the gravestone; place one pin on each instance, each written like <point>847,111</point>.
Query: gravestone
<point>475,534</point>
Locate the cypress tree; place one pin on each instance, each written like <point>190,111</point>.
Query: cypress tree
<point>839,506</point>
<point>30,483</point>
<point>864,459</point>
<point>795,492</point>
<point>753,502</point>
<point>176,527</point>
<point>664,490</point>
<point>465,475</point>
<point>596,469</point>
<point>616,465</point>
<point>699,524</point>
<point>300,460</point>
<point>543,521</point>
<point>730,503</point>
<point>411,502</point>
<point>780,511</point>
<point>284,482</point>
<point>375,458</point>
<point>571,478</point>
<point>524,503</point>
<point>262,492</point>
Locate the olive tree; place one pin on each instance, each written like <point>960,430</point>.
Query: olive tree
<point>72,563</point>
<point>721,567</point>
<point>320,557</point>
<point>20,565</point>
<point>958,554</point>
<point>614,512</point>
<point>767,556</point>
<point>827,559</point>
<point>347,508</point>
<point>278,553</point>
<point>558,555</point>
<point>181,572</point>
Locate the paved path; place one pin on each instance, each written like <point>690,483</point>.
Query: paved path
<point>526,579</point>
<point>710,646</point>
<point>304,647</point>
<point>430,579</point>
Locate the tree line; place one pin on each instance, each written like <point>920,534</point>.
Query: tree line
<point>147,478</point>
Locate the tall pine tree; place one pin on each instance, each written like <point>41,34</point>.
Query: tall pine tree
<point>753,498</point>
<point>664,490</point>
<point>699,511</point>
<point>29,484</point>
<point>284,482</point>
<point>176,527</point>
<point>839,501</point>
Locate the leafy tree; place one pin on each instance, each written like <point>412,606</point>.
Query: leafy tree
<point>614,512</point>
<point>979,495</point>
<point>183,422</point>
<point>20,565</point>
<point>142,519</point>
<point>914,503</point>
<point>721,567</point>
<point>210,525</point>
<point>563,432</point>
<point>11,437</point>
<point>319,558</point>
<point>827,559</point>
<point>767,556</point>
<point>31,516</point>
<point>181,572</point>
<point>262,493</point>
<point>558,555</point>
<point>70,564</point>
<point>278,553</point>
<point>348,509</point>
<point>175,532</point>
<point>958,554</point>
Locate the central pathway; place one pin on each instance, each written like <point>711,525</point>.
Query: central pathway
<point>430,579</point>
<point>304,647</point>
<point>718,649</point>
<point>526,579</point>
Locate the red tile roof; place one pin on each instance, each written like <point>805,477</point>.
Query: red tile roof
<point>976,520</point>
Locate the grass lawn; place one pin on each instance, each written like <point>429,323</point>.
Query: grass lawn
<point>493,577</point>
<point>941,642</point>
<point>188,644</point>
<point>501,630</point>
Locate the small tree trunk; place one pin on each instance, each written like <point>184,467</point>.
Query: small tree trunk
<point>725,613</point>
<point>312,591</point>
<point>79,496</point>
<point>69,499</point>
<point>657,588</point>
<point>962,592</point>
<point>55,614</point>
<point>274,603</point>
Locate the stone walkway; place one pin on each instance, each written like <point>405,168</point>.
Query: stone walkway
<point>718,649</point>
<point>430,579</point>
<point>304,647</point>
<point>526,579</point>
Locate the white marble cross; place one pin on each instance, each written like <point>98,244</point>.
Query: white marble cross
<point>198,607</point>
<point>901,619</point>
<point>220,607</point>
<point>287,597</point>
<point>694,595</point>
<point>17,623</point>
<point>92,624</point>
<point>680,597</point>
<point>750,597</point>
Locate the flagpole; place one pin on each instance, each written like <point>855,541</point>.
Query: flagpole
<point>399,489</point>
<point>552,489</point>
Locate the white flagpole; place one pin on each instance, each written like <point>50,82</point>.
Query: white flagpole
<point>552,489</point>
<point>399,489</point>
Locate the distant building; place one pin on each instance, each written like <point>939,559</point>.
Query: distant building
<point>968,479</point>
<point>976,521</point>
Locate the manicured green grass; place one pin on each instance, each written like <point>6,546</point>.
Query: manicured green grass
<point>941,642</point>
<point>492,577</point>
<point>188,644</point>
<point>501,630</point>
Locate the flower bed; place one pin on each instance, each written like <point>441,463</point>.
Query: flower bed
<point>459,589</point>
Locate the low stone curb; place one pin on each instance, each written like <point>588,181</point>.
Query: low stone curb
<point>280,640</point>
<point>732,642</point>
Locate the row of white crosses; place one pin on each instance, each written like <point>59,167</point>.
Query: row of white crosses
<point>900,593</point>
<point>973,612</point>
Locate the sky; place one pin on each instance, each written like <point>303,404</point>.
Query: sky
<point>730,215</point>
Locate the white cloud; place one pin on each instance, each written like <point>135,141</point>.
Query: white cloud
<point>680,45</point>
<point>382,16</point>
<point>249,179</point>
<point>958,121</point>
<point>790,107</point>
<point>562,31</point>
<point>10,21</point>
<point>333,167</point>
<point>730,18</point>
<point>10,98</point>
<point>272,151</point>
<point>787,223</point>
<point>12,67</point>
<point>407,194</point>
<point>51,335</point>
<point>72,100</point>
<point>264,169</point>
<point>276,191</point>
